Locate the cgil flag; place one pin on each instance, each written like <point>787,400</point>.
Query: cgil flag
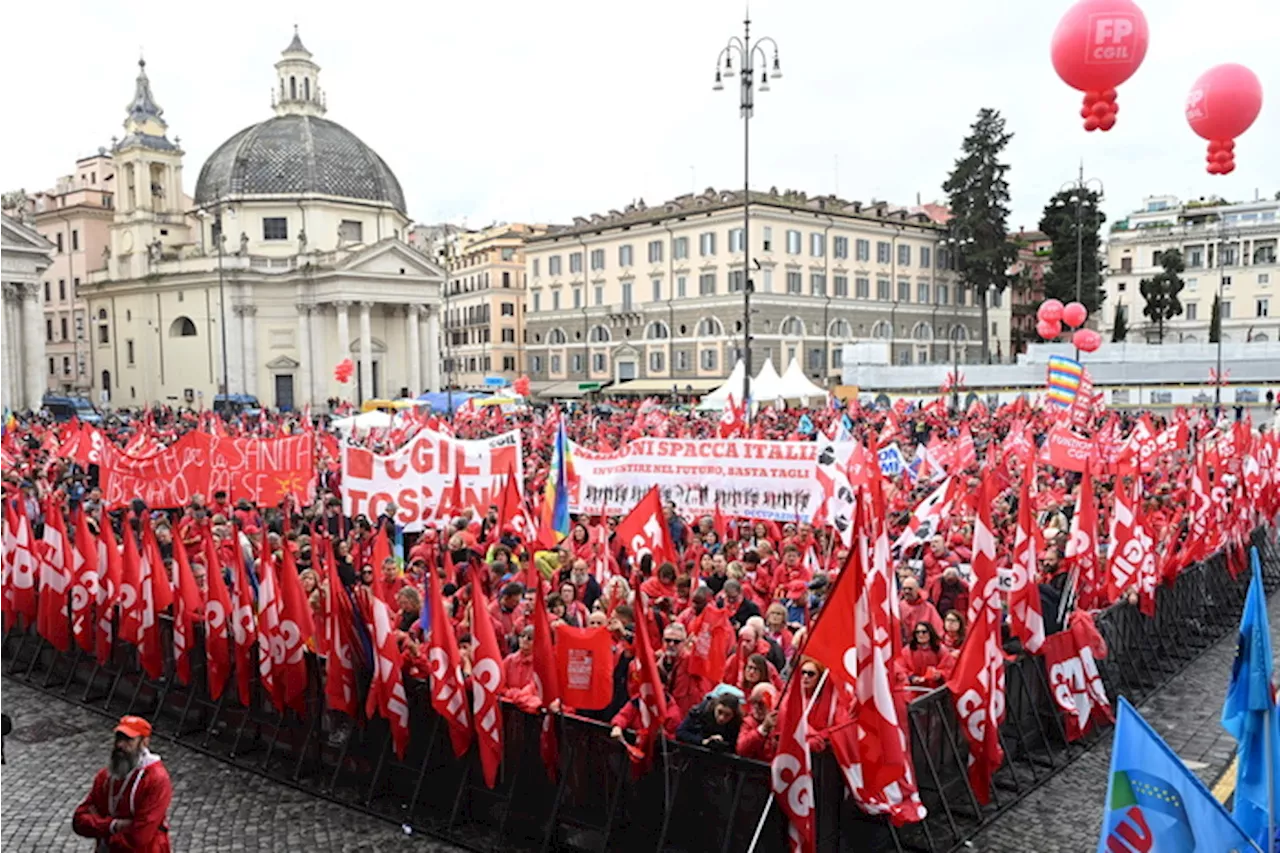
<point>1249,711</point>
<point>1154,802</point>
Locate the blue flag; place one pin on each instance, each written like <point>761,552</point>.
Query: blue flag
<point>1155,803</point>
<point>1249,711</point>
<point>805,426</point>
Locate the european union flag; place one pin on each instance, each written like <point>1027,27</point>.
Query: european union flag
<point>1249,711</point>
<point>1155,803</point>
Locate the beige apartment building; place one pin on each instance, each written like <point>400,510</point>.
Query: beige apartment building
<point>649,299</point>
<point>484,303</point>
<point>1229,249</point>
<point>75,216</point>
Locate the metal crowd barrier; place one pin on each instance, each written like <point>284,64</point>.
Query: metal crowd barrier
<point>691,800</point>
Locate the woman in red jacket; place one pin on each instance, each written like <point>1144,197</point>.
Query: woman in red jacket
<point>924,663</point>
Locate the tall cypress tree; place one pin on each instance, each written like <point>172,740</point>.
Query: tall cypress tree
<point>1215,320</point>
<point>1120,326</point>
<point>979,197</point>
<point>1162,289</point>
<point>1058,222</point>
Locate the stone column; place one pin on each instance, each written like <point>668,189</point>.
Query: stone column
<point>366,351</point>
<point>10,378</point>
<point>428,347</point>
<point>5,370</point>
<point>318,349</point>
<point>414,340</point>
<point>344,328</point>
<point>433,349</point>
<point>302,387</point>
<point>32,346</point>
<point>249,335</point>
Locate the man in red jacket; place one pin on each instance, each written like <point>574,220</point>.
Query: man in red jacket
<point>126,809</point>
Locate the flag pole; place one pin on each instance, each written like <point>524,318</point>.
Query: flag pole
<point>768,804</point>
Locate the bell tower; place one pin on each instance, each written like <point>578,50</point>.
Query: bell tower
<point>150,218</point>
<point>297,89</point>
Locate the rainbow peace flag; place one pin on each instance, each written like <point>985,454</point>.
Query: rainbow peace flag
<point>1065,375</point>
<point>555,502</point>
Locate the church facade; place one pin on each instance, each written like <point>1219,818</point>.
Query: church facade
<point>291,256</point>
<point>23,260</point>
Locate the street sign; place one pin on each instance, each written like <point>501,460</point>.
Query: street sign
<point>588,386</point>
<point>495,381</point>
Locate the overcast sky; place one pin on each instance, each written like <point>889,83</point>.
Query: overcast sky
<point>541,111</point>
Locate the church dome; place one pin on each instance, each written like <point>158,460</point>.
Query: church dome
<point>298,151</point>
<point>297,154</point>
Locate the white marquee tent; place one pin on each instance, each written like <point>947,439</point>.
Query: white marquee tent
<point>797,386</point>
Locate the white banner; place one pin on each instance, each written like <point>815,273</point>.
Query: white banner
<point>753,479</point>
<point>416,476</point>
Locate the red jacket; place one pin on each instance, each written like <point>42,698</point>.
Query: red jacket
<point>143,797</point>
<point>754,745</point>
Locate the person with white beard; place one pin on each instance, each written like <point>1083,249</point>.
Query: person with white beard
<point>127,808</point>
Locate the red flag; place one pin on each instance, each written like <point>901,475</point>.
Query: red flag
<point>1130,550</point>
<point>84,585</point>
<point>270,639</point>
<point>733,420</point>
<point>130,585</point>
<point>339,640</point>
<point>652,695</point>
<point>486,684</point>
<point>1074,680</point>
<point>978,680</point>
<point>296,630</point>
<point>386,693</point>
<point>448,691</point>
<point>546,678</point>
<point>155,596</point>
<point>792,776</point>
<point>1026,618</point>
<point>55,581</point>
<point>711,634</point>
<point>185,605</point>
<point>216,612</point>
<point>1082,546</point>
<point>244,627</point>
<point>584,666</point>
<point>644,530</point>
<point>20,568</point>
<point>109,582</point>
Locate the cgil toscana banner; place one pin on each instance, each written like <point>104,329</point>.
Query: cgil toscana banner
<point>753,479</point>
<point>415,477</point>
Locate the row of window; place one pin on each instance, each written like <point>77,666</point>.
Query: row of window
<point>63,329</point>
<point>66,366</point>
<point>795,284</point>
<point>711,327</point>
<point>277,228</point>
<point>795,245</point>
<point>59,246</point>
<point>1191,310</point>
<point>62,289</point>
<point>473,314</point>
<point>477,363</point>
<point>479,281</point>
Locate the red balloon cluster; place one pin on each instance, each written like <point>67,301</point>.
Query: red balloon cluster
<point>1052,314</point>
<point>1098,45</point>
<point>521,386</point>
<point>1086,340</point>
<point>1074,314</point>
<point>344,371</point>
<point>1099,110</point>
<point>1221,105</point>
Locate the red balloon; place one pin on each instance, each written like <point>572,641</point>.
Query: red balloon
<point>1224,102</point>
<point>1049,311</point>
<point>1099,44</point>
<point>1107,122</point>
<point>344,370</point>
<point>1086,340</point>
<point>1092,123</point>
<point>1048,329</point>
<point>1074,314</point>
<point>521,386</point>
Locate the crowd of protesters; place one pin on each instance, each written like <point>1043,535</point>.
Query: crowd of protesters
<point>770,580</point>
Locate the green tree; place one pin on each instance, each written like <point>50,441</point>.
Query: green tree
<point>1162,289</point>
<point>1120,326</point>
<point>1215,321</point>
<point>1076,247</point>
<point>979,199</point>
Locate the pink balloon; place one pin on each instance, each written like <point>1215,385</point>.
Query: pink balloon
<point>1086,340</point>
<point>1048,329</point>
<point>1224,102</point>
<point>1050,310</point>
<point>1074,314</point>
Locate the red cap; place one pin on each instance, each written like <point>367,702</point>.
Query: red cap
<point>132,726</point>
<point>797,588</point>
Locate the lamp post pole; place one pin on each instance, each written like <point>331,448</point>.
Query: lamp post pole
<point>222,302</point>
<point>1224,236</point>
<point>445,258</point>
<point>746,51</point>
<point>958,237</point>
<point>1078,188</point>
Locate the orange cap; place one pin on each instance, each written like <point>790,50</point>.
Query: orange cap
<point>132,726</point>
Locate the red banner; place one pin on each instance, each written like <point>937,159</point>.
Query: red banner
<point>1075,682</point>
<point>165,479</point>
<point>584,660</point>
<point>1068,450</point>
<point>262,470</point>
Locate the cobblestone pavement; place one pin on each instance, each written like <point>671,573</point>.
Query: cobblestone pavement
<point>1065,815</point>
<point>56,747</point>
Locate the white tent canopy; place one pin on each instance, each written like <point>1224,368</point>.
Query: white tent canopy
<point>363,423</point>
<point>797,386</point>
<point>719,398</point>
<point>767,386</point>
